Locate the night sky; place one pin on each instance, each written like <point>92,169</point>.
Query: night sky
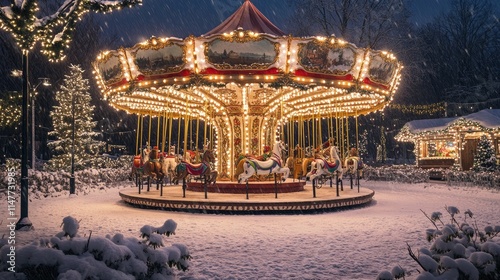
<point>173,18</point>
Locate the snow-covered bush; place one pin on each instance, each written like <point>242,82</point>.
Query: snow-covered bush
<point>458,250</point>
<point>396,173</point>
<point>70,256</point>
<point>473,178</point>
<point>54,184</point>
<point>413,174</point>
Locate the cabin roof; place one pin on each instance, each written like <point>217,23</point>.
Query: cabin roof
<point>488,118</point>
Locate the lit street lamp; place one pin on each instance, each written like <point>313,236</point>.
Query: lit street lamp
<point>45,82</point>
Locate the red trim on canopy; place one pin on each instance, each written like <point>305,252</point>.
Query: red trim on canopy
<point>369,81</point>
<point>213,71</point>
<point>303,73</point>
<point>247,17</point>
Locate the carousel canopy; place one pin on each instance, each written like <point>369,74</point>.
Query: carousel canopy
<point>247,17</point>
<point>246,67</point>
<point>246,81</point>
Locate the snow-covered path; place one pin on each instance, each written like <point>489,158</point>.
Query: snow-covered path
<point>351,244</point>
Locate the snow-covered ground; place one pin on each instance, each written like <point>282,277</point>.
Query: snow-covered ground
<point>350,244</point>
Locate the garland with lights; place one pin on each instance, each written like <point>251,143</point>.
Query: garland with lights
<point>197,80</point>
<point>54,31</point>
<point>287,81</point>
<point>427,109</point>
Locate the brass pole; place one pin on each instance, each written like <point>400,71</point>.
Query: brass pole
<point>137,134</point>
<point>158,131</point>
<point>179,135</point>
<point>149,130</point>
<point>197,131</point>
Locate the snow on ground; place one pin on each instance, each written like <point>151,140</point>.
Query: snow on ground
<point>350,244</point>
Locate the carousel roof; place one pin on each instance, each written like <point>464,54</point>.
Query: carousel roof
<point>247,17</point>
<point>245,66</point>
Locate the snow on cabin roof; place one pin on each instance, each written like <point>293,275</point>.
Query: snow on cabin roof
<point>247,17</point>
<point>429,124</point>
<point>488,118</point>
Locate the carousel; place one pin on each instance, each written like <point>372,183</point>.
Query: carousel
<point>255,98</point>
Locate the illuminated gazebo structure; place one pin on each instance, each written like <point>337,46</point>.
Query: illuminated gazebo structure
<point>245,84</point>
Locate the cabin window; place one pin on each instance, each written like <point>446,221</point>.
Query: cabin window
<point>441,148</point>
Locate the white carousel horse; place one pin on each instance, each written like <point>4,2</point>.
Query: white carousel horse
<point>169,162</point>
<point>321,166</point>
<point>353,163</point>
<point>273,165</point>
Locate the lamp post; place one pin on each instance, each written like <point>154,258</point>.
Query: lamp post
<point>24,222</point>
<point>72,177</point>
<point>45,82</point>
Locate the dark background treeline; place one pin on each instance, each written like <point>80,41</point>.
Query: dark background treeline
<point>452,57</point>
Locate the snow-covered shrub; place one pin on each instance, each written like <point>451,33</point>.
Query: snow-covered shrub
<point>54,184</point>
<point>70,256</point>
<point>413,174</point>
<point>457,250</point>
<point>396,173</point>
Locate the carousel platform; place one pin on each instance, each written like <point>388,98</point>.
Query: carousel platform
<point>307,200</point>
<point>253,187</point>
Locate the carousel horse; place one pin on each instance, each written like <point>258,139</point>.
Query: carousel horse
<point>203,169</point>
<point>306,165</point>
<point>270,166</point>
<point>320,166</point>
<point>353,163</point>
<point>169,162</point>
<point>138,164</point>
<point>242,159</point>
<point>192,157</point>
<point>152,167</point>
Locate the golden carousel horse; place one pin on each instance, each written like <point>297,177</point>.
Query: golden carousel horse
<point>152,167</point>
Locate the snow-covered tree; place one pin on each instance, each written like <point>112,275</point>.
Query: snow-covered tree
<point>485,159</point>
<point>363,145</point>
<point>74,106</point>
<point>381,149</point>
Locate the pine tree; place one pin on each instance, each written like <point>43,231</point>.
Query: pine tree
<point>363,144</point>
<point>484,159</point>
<point>74,104</point>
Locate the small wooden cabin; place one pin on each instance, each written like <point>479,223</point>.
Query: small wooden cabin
<point>447,142</point>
